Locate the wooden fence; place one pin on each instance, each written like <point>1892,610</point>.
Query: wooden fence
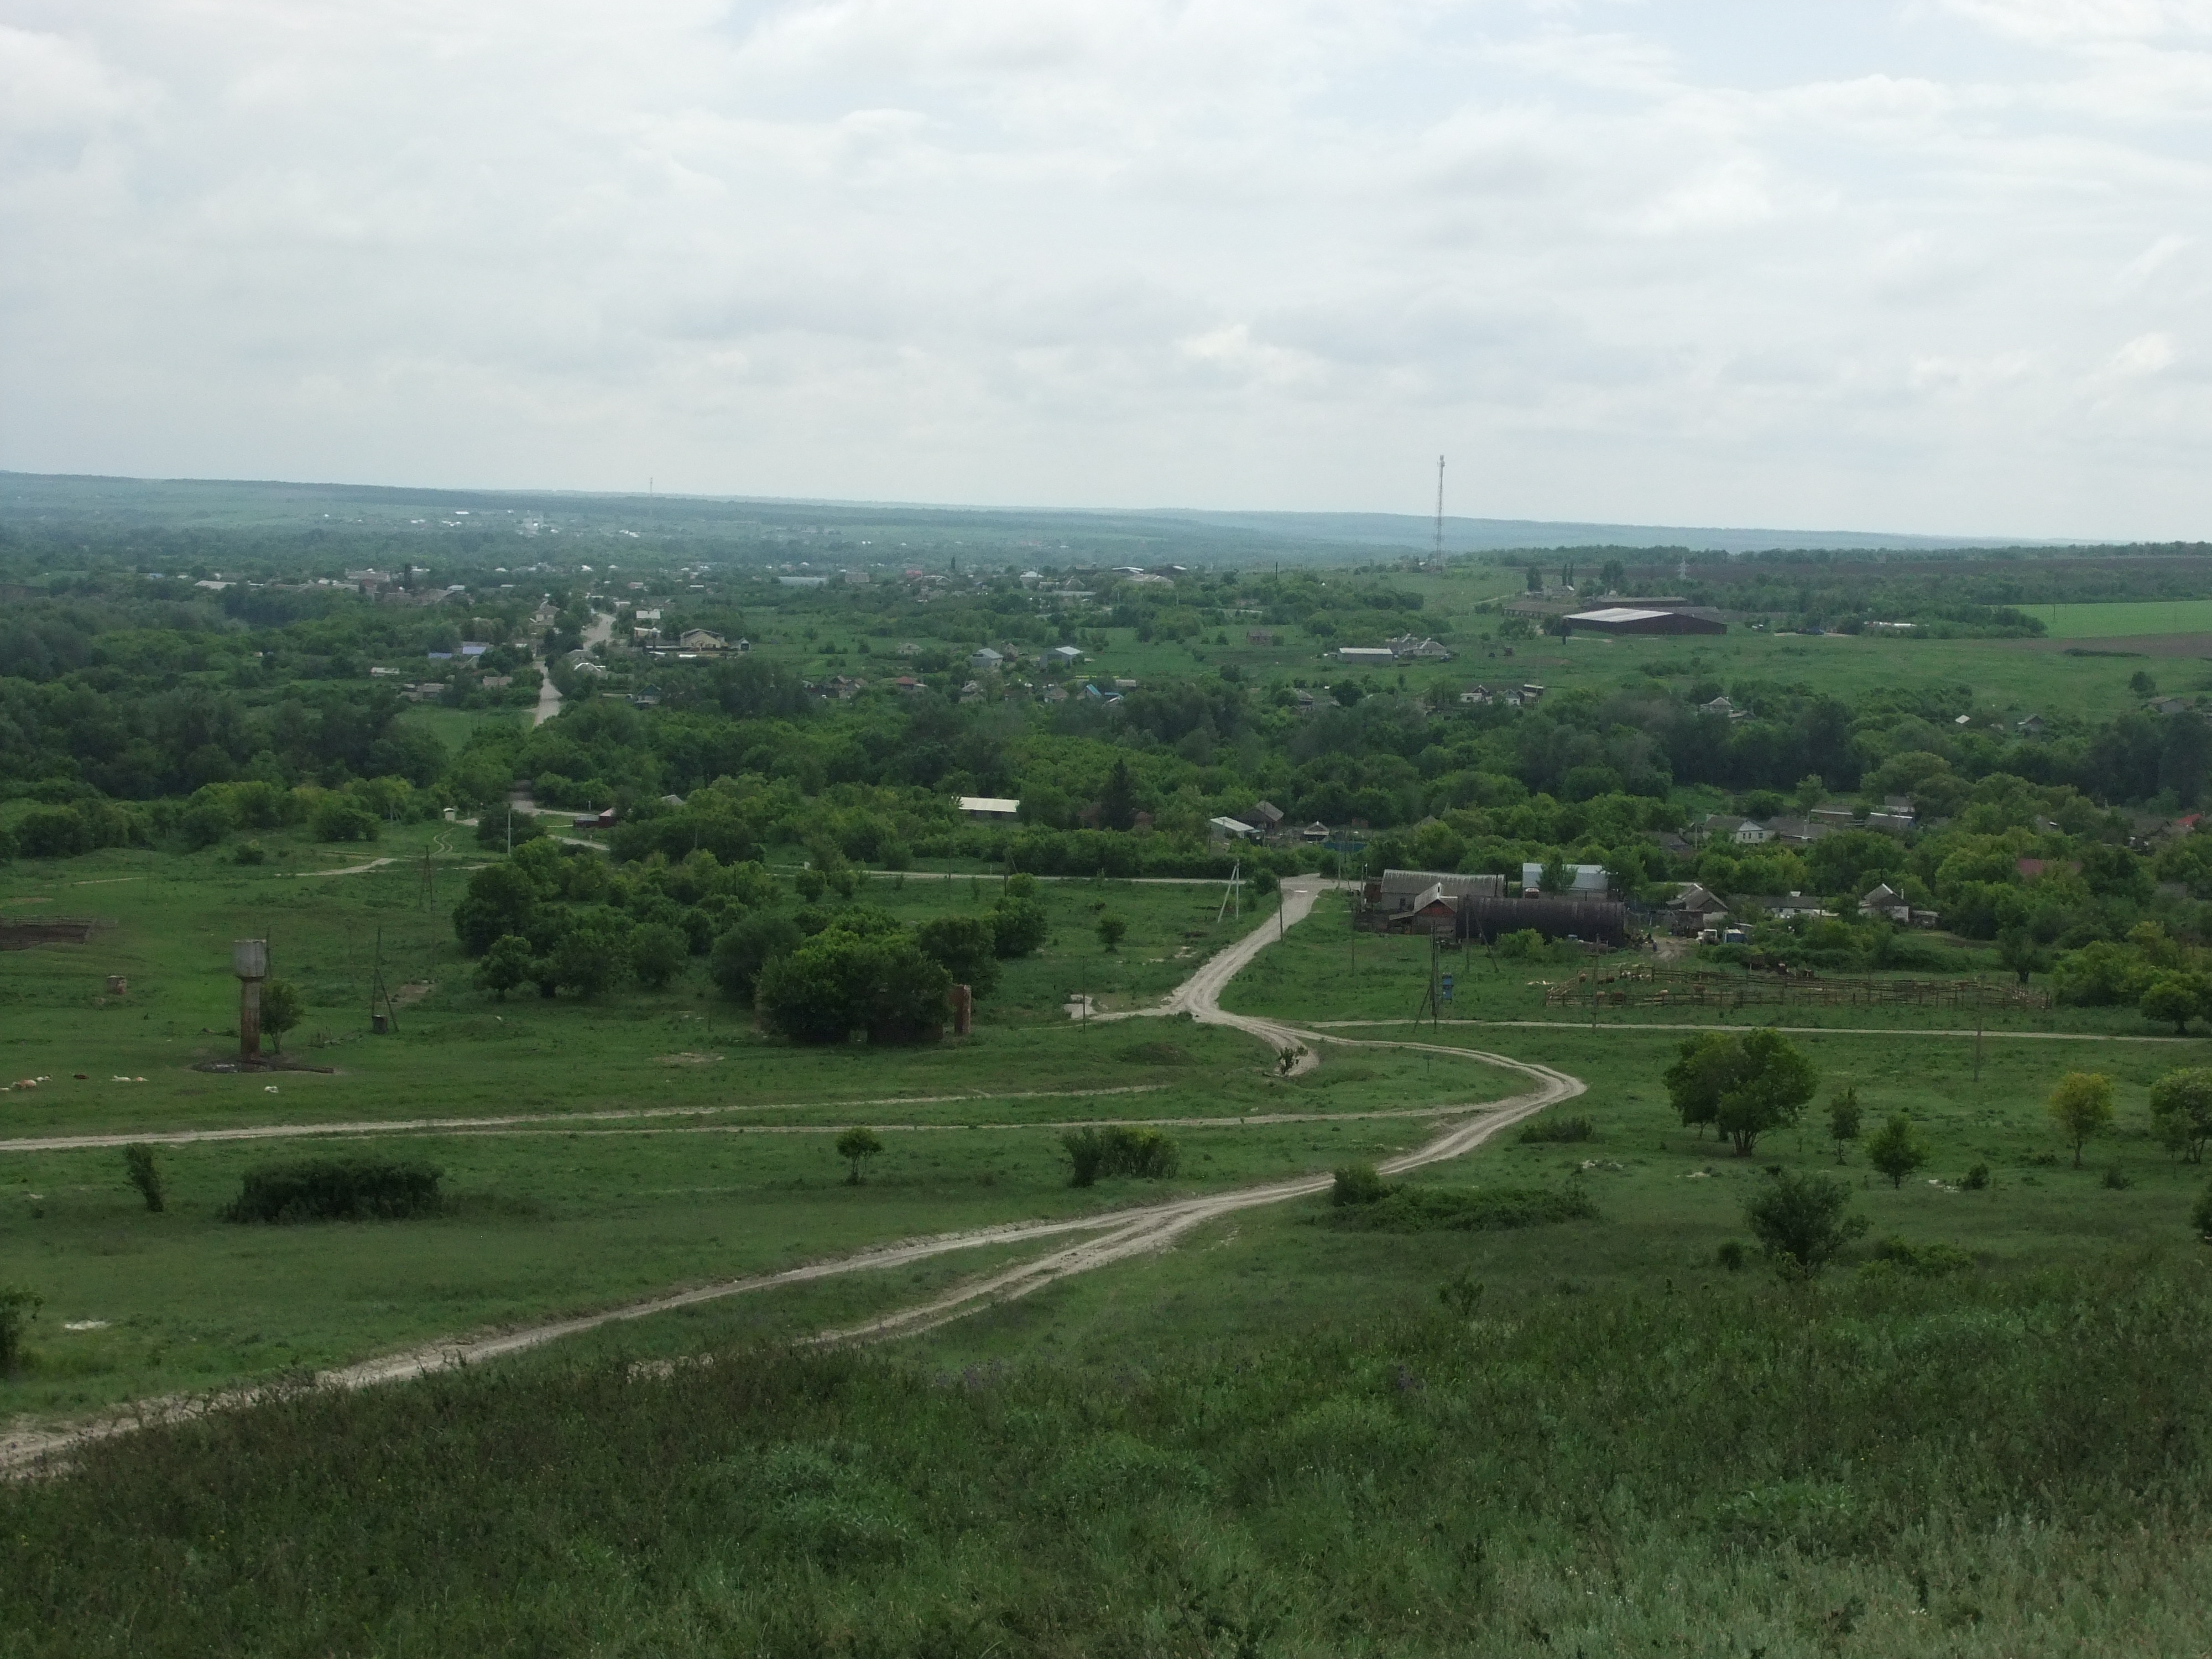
<point>1644,987</point>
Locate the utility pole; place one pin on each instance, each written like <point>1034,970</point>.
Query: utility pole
<point>1440,509</point>
<point>1977,1031</point>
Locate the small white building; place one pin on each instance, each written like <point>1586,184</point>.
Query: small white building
<point>989,809</point>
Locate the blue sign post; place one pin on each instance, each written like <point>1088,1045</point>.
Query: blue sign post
<point>1447,987</point>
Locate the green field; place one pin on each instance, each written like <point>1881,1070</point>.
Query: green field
<point>2123,618</point>
<point>1273,1436</point>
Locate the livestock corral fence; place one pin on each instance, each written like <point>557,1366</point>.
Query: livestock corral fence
<point>1632,986</point>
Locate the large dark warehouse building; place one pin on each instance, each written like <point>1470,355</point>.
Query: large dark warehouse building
<point>1635,619</point>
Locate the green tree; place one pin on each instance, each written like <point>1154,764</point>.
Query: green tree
<point>2017,952</point>
<point>1703,1070</point>
<point>1803,1221</point>
<point>505,965</point>
<point>1555,876</point>
<point>1843,1118</point>
<point>501,899</point>
<point>758,937</point>
<point>2177,997</point>
<point>2080,1105</point>
<point>2181,1111</point>
<point>1117,802</point>
<point>139,1169</point>
<point>1896,1149</point>
<point>1744,1086</point>
<point>857,1146</point>
<point>281,1009</point>
<point>1775,1083</point>
<point>593,952</point>
<point>1112,929</point>
<point>839,983</point>
<point>494,824</point>
<point>657,954</point>
<point>966,947</point>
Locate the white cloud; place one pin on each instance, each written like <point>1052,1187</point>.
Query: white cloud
<point>2145,354</point>
<point>1214,252</point>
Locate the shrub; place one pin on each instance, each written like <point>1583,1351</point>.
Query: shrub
<point>505,965</point>
<point>1549,1128</point>
<point>280,1009</point>
<point>18,1306</point>
<point>1359,1183</point>
<point>2117,1180</point>
<point>1408,1209</point>
<point>1119,1149</point>
<point>1112,930</point>
<point>1157,1053</point>
<point>1976,1179</point>
<point>336,1189</point>
<point>249,852</point>
<point>1803,1221</point>
<point>1896,1149</point>
<point>1521,946</point>
<point>1731,1254</point>
<point>856,1147</point>
<point>337,819</point>
<point>2200,1215</point>
<point>1019,924</point>
<point>139,1170</point>
<point>1922,1260</point>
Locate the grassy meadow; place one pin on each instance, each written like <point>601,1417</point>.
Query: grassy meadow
<point>594,1153</point>
<point>1278,1437</point>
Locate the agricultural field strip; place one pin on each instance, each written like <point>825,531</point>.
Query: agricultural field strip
<point>1148,1229</point>
<point>1992,1034</point>
<point>464,1124</point>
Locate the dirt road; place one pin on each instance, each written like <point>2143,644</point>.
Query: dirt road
<point>598,631</point>
<point>1112,1238</point>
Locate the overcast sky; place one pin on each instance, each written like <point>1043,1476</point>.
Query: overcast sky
<point>1938,266</point>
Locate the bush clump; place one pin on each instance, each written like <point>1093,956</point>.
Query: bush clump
<point>1119,1149</point>
<point>1550,1128</point>
<point>1359,1183</point>
<point>1922,1260</point>
<point>1157,1053</point>
<point>336,1189</point>
<point>1428,1209</point>
<point>18,1306</point>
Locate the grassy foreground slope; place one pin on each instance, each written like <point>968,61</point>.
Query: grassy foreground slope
<point>1874,1466</point>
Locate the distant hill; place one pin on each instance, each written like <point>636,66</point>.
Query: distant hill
<point>1033,534</point>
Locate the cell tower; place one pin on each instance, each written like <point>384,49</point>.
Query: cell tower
<point>1440,509</point>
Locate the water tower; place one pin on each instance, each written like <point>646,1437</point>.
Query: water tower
<point>249,960</point>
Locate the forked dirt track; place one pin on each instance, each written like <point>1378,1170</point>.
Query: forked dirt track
<point>1105,1238</point>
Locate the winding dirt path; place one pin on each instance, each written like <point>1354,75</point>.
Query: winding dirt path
<point>1116,1237</point>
